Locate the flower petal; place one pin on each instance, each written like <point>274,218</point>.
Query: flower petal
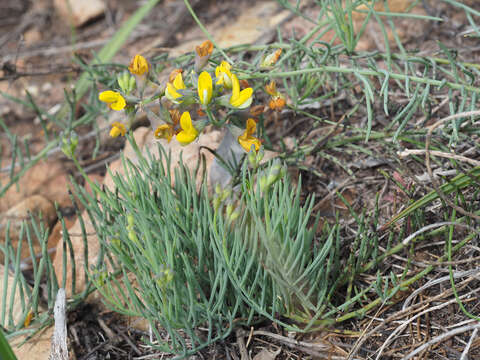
<point>186,121</point>
<point>205,87</point>
<point>139,65</point>
<point>171,92</point>
<point>247,144</point>
<point>118,129</point>
<point>243,100</point>
<point>185,138</point>
<point>119,104</point>
<point>188,133</point>
<point>108,96</point>
<point>114,99</point>
<point>251,126</point>
<point>178,82</point>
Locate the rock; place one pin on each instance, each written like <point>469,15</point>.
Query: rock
<point>255,24</point>
<point>37,348</point>
<point>42,210</point>
<point>189,154</point>
<point>49,178</point>
<point>79,12</point>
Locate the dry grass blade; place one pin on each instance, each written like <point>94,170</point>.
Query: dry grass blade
<point>429,168</point>
<point>440,338</point>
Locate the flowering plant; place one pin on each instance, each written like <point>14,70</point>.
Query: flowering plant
<point>210,93</point>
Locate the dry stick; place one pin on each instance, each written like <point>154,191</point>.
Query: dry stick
<point>127,340</point>
<point>402,327</point>
<point>408,152</point>
<point>467,348</point>
<point>429,168</point>
<point>59,340</point>
<point>438,281</point>
<point>413,308</point>
<point>361,338</point>
<point>442,337</point>
<point>297,343</point>
<point>241,345</point>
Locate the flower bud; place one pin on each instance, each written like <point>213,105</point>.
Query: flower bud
<point>69,144</point>
<point>271,59</point>
<point>126,82</point>
<point>274,173</point>
<point>202,54</point>
<point>255,157</point>
<point>231,213</point>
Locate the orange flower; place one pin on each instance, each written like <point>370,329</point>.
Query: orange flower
<point>205,48</point>
<point>244,84</point>
<point>167,131</point>
<point>202,55</point>
<point>277,103</point>
<point>164,131</point>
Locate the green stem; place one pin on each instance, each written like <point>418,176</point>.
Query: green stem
<point>365,72</point>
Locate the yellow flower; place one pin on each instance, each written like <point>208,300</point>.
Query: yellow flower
<point>114,100</point>
<point>164,131</point>
<point>223,74</point>
<point>171,92</point>
<point>240,99</point>
<point>246,140</point>
<point>139,65</point>
<point>188,132</point>
<point>205,88</point>
<point>118,129</point>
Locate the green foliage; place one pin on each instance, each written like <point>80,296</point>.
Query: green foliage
<point>176,261</point>
<point>6,352</point>
<point>34,283</point>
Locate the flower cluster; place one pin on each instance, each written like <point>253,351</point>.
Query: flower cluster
<point>190,100</point>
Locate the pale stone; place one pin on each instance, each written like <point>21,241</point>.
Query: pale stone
<point>42,210</point>
<point>79,12</point>
<point>37,348</point>
<point>48,178</point>
<point>251,26</point>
